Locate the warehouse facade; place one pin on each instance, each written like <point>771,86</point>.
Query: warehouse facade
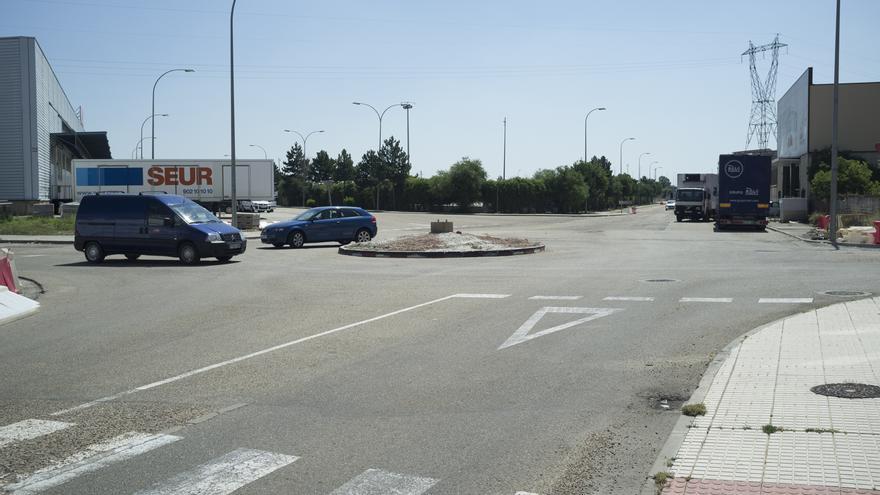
<point>40,132</point>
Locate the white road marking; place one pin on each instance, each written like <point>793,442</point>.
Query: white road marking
<point>267,350</point>
<point>522,334</point>
<point>707,299</point>
<point>222,475</point>
<point>94,457</point>
<point>378,482</point>
<point>29,255</point>
<point>628,298</point>
<point>28,429</point>
<point>785,300</point>
<point>526,493</point>
<point>556,298</point>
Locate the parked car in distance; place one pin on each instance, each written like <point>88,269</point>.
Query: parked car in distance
<point>147,224</point>
<point>261,206</point>
<point>670,204</point>
<point>342,224</point>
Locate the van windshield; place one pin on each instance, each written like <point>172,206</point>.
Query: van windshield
<point>193,213</point>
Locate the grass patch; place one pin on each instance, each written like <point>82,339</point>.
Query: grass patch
<point>694,409</point>
<point>770,429</point>
<point>38,225</point>
<point>660,479</point>
<point>822,430</point>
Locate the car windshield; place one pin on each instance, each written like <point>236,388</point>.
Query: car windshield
<point>689,195</point>
<point>192,213</point>
<point>307,215</point>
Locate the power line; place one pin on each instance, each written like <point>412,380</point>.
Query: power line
<point>762,121</point>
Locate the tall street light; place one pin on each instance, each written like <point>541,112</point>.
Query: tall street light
<point>380,116</point>
<point>139,146</point>
<point>407,106</point>
<point>305,140</point>
<point>232,191</point>
<point>639,177</point>
<point>649,168</point>
<point>153,112</point>
<point>586,157</point>
<point>142,129</point>
<point>832,227</point>
<point>265,155</point>
<point>655,172</point>
<point>620,166</point>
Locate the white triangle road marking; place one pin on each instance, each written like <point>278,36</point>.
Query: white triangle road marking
<point>522,334</point>
<point>222,475</point>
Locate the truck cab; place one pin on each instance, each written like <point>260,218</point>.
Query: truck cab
<point>692,203</point>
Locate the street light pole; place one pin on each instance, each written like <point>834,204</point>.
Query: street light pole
<point>504,155</point>
<point>142,129</point>
<point>140,145</point>
<point>407,106</point>
<point>380,116</point>
<point>832,227</point>
<point>232,115</point>
<point>640,164</point>
<point>153,112</point>
<point>620,165</point>
<point>305,140</point>
<point>655,172</point>
<point>586,157</point>
<point>265,155</point>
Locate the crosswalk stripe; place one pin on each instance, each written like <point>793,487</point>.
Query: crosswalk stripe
<point>222,475</point>
<point>29,429</point>
<point>378,482</point>
<point>707,299</point>
<point>556,298</point>
<point>785,300</point>
<point>92,458</point>
<point>627,298</point>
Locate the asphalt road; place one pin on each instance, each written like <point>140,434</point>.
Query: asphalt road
<point>374,377</point>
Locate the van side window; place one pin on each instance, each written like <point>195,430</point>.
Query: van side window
<point>126,208</point>
<point>157,213</point>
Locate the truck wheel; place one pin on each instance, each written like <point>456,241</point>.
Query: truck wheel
<point>188,254</point>
<point>94,252</point>
<point>132,257</point>
<point>296,239</point>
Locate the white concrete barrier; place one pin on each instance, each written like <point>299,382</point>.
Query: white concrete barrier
<point>14,306</point>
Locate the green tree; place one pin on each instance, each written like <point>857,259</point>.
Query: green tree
<point>597,176</point>
<point>569,190</point>
<point>294,165</point>
<point>322,167</point>
<point>853,177</point>
<point>344,167</point>
<point>466,179</point>
<point>396,167</point>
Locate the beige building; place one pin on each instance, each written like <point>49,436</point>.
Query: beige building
<point>804,132</point>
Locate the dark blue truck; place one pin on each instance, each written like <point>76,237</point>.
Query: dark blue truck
<point>743,191</point>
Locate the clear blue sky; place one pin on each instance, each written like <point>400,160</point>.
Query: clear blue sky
<point>669,73</point>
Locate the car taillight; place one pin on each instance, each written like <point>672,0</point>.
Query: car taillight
<point>373,219</point>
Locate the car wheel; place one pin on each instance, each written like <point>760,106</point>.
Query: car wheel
<point>296,239</point>
<point>132,257</point>
<point>94,252</point>
<point>363,235</point>
<point>278,244</point>
<point>224,259</point>
<point>188,254</point>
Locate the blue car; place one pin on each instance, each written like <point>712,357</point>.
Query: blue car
<point>159,225</point>
<point>342,224</point>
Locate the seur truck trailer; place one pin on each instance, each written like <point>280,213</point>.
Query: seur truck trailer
<point>207,182</point>
<point>743,191</point>
<point>696,197</point>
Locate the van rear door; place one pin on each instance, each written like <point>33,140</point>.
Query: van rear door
<point>129,214</point>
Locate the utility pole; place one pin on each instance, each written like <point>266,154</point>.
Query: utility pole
<point>407,106</point>
<point>504,156</point>
<point>832,227</point>
<point>762,121</point>
<point>232,117</point>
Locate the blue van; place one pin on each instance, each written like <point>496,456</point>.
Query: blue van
<point>158,225</point>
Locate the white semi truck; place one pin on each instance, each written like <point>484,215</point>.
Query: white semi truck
<point>696,197</point>
<point>207,182</point>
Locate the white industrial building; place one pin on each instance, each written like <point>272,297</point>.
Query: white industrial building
<point>40,132</point>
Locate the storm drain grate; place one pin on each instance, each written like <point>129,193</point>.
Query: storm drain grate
<point>846,293</point>
<point>848,390</point>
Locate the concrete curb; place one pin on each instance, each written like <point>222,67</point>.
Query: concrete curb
<point>439,254</point>
<point>676,437</point>
<point>822,241</point>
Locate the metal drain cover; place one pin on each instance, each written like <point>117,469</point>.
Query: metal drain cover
<point>848,390</point>
<point>846,293</point>
<point>661,280</point>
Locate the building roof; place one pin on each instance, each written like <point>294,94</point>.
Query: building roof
<point>89,145</point>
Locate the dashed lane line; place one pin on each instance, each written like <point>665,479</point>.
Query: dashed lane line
<point>223,475</point>
<point>555,298</point>
<point>706,299</point>
<point>267,350</point>
<point>29,429</point>
<point>629,298</point>
<point>376,481</point>
<point>785,300</point>
<point>94,457</point>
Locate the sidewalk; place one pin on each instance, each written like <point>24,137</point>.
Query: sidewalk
<point>823,445</point>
